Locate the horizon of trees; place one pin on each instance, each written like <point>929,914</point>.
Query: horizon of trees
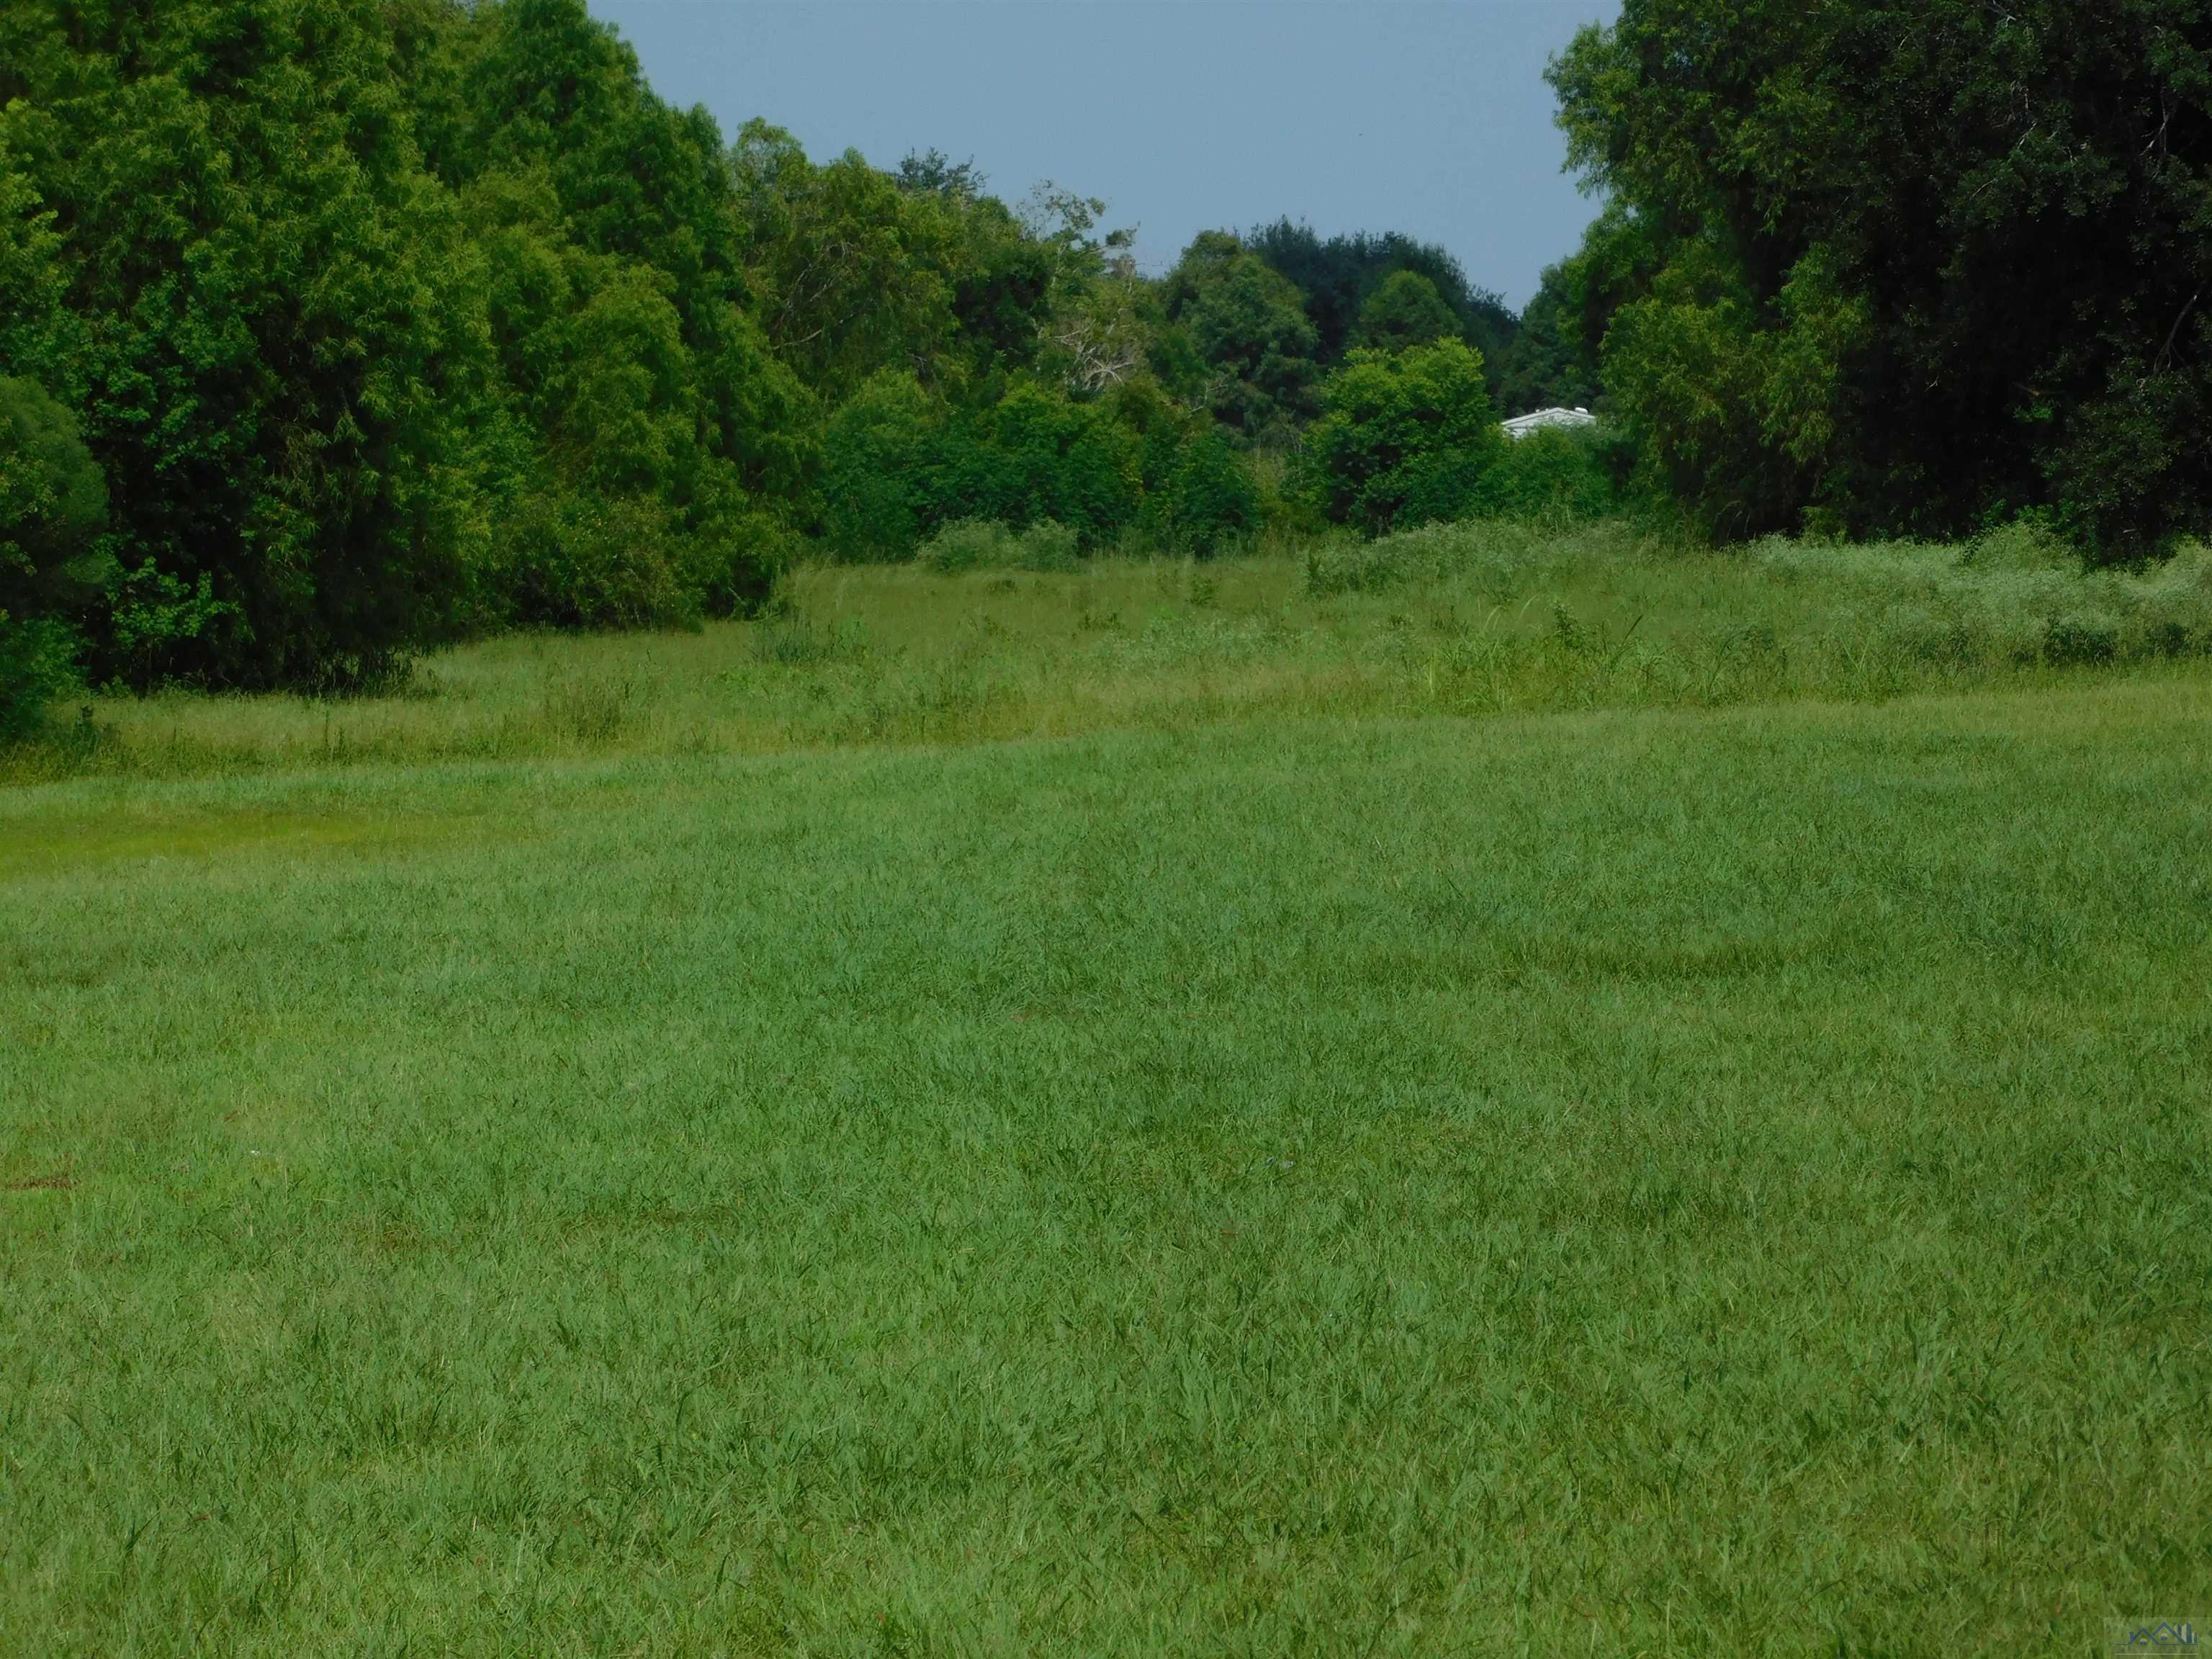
<point>331,330</point>
<point>1908,268</point>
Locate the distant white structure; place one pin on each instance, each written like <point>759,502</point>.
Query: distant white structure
<point>1521,425</point>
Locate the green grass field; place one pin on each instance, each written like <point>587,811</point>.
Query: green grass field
<point>1297,1108</point>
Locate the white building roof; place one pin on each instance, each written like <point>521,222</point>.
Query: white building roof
<point>1521,425</point>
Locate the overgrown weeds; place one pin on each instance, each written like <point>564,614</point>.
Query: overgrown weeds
<point>591,709</point>
<point>985,544</point>
<point>970,646</point>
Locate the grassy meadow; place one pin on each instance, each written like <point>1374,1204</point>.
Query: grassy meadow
<point>1459,621</point>
<point>1495,1093</point>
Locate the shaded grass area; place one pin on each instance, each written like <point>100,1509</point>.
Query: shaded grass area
<point>1654,1181</point>
<point>1474,619</point>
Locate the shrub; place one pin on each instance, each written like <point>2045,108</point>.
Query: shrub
<point>1407,440</point>
<point>38,664</point>
<point>1047,545</point>
<point>899,465</point>
<point>53,502</point>
<point>969,544</point>
<point>878,453</point>
<point>1210,496</point>
<point>53,507</point>
<point>988,544</point>
<point>1553,474</point>
<point>732,558</point>
<point>565,560</point>
<point>1036,455</point>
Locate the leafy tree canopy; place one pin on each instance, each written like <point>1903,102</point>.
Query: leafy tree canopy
<point>53,505</point>
<point>1405,438</point>
<point>1338,275</point>
<point>1906,265</point>
<point>1404,310</point>
<point>1247,323</point>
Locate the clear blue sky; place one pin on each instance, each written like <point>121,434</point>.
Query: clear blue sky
<point>1430,118</point>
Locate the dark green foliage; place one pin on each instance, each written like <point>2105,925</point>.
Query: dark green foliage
<point>1407,439</point>
<point>38,663</point>
<point>1554,359</point>
<point>852,270</point>
<point>1550,475</point>
<point>900,465</point>
<point>383,322</point>
<point>53,507</point>
<point>882,458</point>
<point>1211,497</point>
<point>270,316</point>
<point>1404,310</point>
<point>606,559</point>
<point>1338,276</point>
<point>647,446</point>
<point>1247,323</point>
<point>1909,267</point>
<point>1036,455</point>
<point>848,272</point>
<point>1545,369</point>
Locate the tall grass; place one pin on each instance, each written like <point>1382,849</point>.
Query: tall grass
<point>970,644</point>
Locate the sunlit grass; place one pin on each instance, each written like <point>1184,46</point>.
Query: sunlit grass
<point>1300,1157</point>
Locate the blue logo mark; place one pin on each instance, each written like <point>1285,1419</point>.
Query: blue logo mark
<point>2167,1635</point>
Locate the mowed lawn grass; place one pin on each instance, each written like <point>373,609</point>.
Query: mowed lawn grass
<point>1650,1182</point>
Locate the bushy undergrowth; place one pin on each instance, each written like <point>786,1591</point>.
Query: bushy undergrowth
<point>36,667</point>
<point>1554,476</point>
<point>2017,598</point>
<point>986,544</point>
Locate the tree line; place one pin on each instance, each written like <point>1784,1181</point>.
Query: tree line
<point>333,329</point>
<point>1900,267</point>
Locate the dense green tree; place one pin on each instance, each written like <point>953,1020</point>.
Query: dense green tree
<point>901,464</point>
<point>1550,475</point>
<point>1338,275</point>
<point>849,272</point>
<point>882,457</point>
<point>1914,263</point>
<point>648,453</point>
<point>1036,455</point>
<point>1404,310</point>
<point>1209,498</point>
<point>272,316</point>
<point>1004,287</point>
<point>1405,439</point>
<point>384,319</point>
<point>1555,354</point>
<point>1247,323</point>
<point>53,507</point>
